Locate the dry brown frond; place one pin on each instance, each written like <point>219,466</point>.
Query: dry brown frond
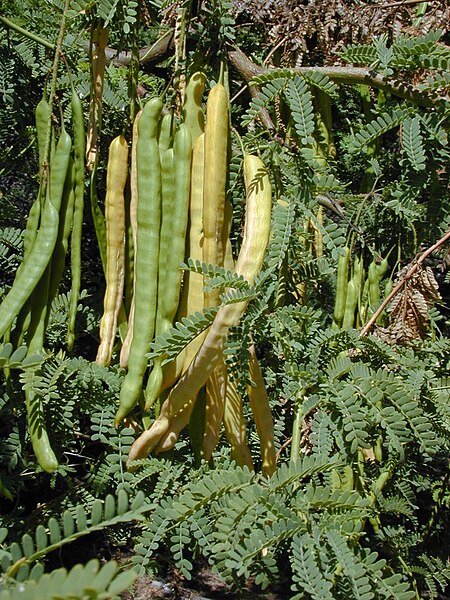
<point>313,32</point>
<point>409,309</point>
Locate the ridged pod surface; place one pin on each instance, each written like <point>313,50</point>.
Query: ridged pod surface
<point>147,255</point>
<point>173,226</point>
<point>42,250</point>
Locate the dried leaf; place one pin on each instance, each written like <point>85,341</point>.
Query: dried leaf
<point>409,309</point>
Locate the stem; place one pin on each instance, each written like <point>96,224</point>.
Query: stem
<point>367,327</point>
<point>99,39</point>
<point>222,72</point>
<point>283,447</point>
<point>241,143</point>
<point>248,69</point>
<point>133,71</point>
<point>58,49</point>
<point>28,34</point>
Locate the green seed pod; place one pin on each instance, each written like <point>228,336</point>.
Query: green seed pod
<point>147,255</point>
<point>341,285</point>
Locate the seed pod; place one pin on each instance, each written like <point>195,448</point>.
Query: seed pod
<point>235,429</point>
<point>125,350</point>
<point>33,402</point>
<point>350,306</point>
<point>43,247</point>
<point>156,376</point>
<point>192,111</point>
<point>165,135</point>
<point>40,300</point>
<point>193,282</point>
<point>147,255</point>
<point>116,178</point>
<point>259,401</point>
<point>174,219</point>
<point>78,213</point>
<point>216,387</point>
<point>216,150</point>
<point>62,242</point>
<point>341,285</point>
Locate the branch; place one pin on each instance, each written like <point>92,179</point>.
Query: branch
<point>155,53</point>
<point>345,75</point>
<point>393,4</point>
<point>368,326</point>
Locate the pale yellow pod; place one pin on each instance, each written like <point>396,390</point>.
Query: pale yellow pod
<point>177,423</point>
<point>259,401</point>
<point>125,350</point>
<point>192,112</point>
<point>193,282</point>
<point>147,440</point>
<point>235,428</point>
<point>116,178</point>
<point>215,176</point>
<point>100,43</point>
<point>216,387</point>
<point>248,264</point>
<point>318,235</point>
<point>193,298</point>
<point>228,261</point>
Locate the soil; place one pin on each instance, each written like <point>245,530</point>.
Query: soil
<point>204,585</point>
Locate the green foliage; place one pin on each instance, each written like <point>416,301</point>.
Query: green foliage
<point>242,523</point>
<point>74,524</point>
<point>269,92</point>
<point>111,471</point>
<point>413,143</point>
<point>406,53</point>
<point>18,359</point>
<point>359,506</point>
<point>100,583</point>
<point>300,103</point>
<point>176,338</point>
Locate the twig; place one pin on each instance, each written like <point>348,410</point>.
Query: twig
<point>157,52</point>
<point>283,447</point>
<point>274,49</point>
<point>394,4</point>
<point>367,327</point>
